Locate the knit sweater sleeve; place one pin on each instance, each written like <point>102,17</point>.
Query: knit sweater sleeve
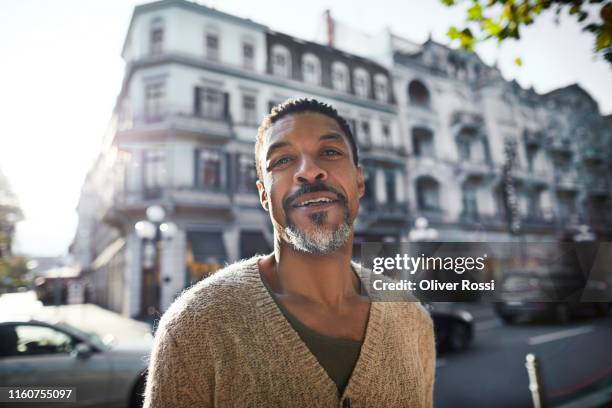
<point>171,381</point>
<point>427,349</point>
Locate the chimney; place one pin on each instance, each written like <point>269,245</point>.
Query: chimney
<point>329,22</point>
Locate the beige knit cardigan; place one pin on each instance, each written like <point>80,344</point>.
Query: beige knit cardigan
<point>225,343</point>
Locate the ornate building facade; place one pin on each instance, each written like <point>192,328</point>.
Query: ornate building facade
<point>431,125</point>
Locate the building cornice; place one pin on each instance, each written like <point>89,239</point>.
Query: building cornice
<point>267,79</point>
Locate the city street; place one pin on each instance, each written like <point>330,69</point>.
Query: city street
<point>575,358</point>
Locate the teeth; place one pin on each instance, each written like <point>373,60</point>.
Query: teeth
<point>316,200</point>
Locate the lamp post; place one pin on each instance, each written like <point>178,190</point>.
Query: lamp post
<point>152,231</point>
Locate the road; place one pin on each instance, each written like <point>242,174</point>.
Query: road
<point>575,358</point>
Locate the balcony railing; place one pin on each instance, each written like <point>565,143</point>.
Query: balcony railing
<point>218,126</point>
<point>462,120</point>
<point>374,211</point>
<point>596,185</point>
<point>566,180</point>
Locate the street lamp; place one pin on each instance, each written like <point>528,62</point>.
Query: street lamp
<point>151,231</point>
<point>422,232</point>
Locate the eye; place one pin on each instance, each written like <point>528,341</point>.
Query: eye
<point>331,152</point>
<point>282,160</point>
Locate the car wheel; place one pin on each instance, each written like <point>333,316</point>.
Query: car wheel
<point>137,398</point>
<point>459,338</point>
<point>562,314</point>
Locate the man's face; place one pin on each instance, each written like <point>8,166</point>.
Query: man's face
<point>311,186</point>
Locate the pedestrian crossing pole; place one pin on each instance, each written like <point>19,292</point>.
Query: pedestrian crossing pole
<point>536,385</point>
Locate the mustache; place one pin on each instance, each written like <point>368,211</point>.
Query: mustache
<point>312,188</point>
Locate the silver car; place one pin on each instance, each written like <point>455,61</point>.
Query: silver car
<point>40,354</point>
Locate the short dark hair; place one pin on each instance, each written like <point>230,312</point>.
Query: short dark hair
<point>301,105</point>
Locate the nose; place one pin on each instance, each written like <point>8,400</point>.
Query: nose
<point>309,172</point>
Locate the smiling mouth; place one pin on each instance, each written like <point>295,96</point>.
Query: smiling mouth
<point>317,202</point>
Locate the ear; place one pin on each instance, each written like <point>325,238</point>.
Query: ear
<point>263,196</point>
<point>360,181</point>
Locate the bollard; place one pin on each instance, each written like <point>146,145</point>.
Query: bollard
<point>536,385</point>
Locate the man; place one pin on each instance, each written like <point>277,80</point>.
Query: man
<point>291,329</point>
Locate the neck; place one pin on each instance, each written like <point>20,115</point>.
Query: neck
<point>326,280</point>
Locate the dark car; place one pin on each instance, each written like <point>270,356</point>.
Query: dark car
<point>454,329</point>
<point>535,293</point>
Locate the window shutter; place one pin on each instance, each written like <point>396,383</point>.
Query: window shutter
<point>197,102</point>
<point>226,112</point>
<point>196,166</point>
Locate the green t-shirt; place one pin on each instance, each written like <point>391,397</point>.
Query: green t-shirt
<point>337,356</point>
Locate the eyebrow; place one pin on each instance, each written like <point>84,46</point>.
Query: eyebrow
<point>277,145</point>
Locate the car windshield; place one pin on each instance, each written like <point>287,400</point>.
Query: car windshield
<point>93,338</point>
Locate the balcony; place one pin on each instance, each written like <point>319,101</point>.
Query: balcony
<point>593,155</point>
<point>216,203</point>
<point>217,128</point>
<point>537,222</point>
<point>371,212</point>
<point>537,178</point>
<point>566,181</point>
<point>532,138</point>
<point>472,169</point>
<point>596,186</point>
<point>462,120</point>
<point>561,146</point>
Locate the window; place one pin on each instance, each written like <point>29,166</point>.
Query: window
<point>366,136</point>
<point>386,134</point>
<point>211,103</point>
<point>381,91</point>
<point>210,169</point>
<point>422,142</point>
<point>156,37</point>
<point>212,46</point>
<point>248,55</point>
<point>567,204</point>
<point>470,203</point>
<point>311,69</point>
<point>249,109</point>
<point>247,175</point>
<point>418,94</point>
<point>154,168</point>
<point>281,61</point>
<point>390,187</point>
<point>33,340</point>
<point>464,148</point>
<point>339,77</point>
<point>427,193</point>
<point>361,83</point>
<point>154,101</point>
<point>531,153</point>
<point>370,187</point>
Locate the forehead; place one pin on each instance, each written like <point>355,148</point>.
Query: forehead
<point>303,126</point>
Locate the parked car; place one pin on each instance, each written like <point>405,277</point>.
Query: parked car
<point>454,328</point>
<point>533,293</point>
<point>105,373</point>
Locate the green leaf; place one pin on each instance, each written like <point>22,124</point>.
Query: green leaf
<point>453,33</point>
<point>448,2</point>
<point>475,12</point>
<point>604,40</point>
<point>491,27</point>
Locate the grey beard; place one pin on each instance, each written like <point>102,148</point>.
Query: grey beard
<point>322,240</point>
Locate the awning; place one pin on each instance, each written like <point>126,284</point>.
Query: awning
<point>207,247</point>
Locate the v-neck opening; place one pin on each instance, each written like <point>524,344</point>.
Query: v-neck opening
<point>294,320</point>
<point>286,331</point>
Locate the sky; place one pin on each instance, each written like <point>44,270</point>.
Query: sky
<point>61,71</point>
